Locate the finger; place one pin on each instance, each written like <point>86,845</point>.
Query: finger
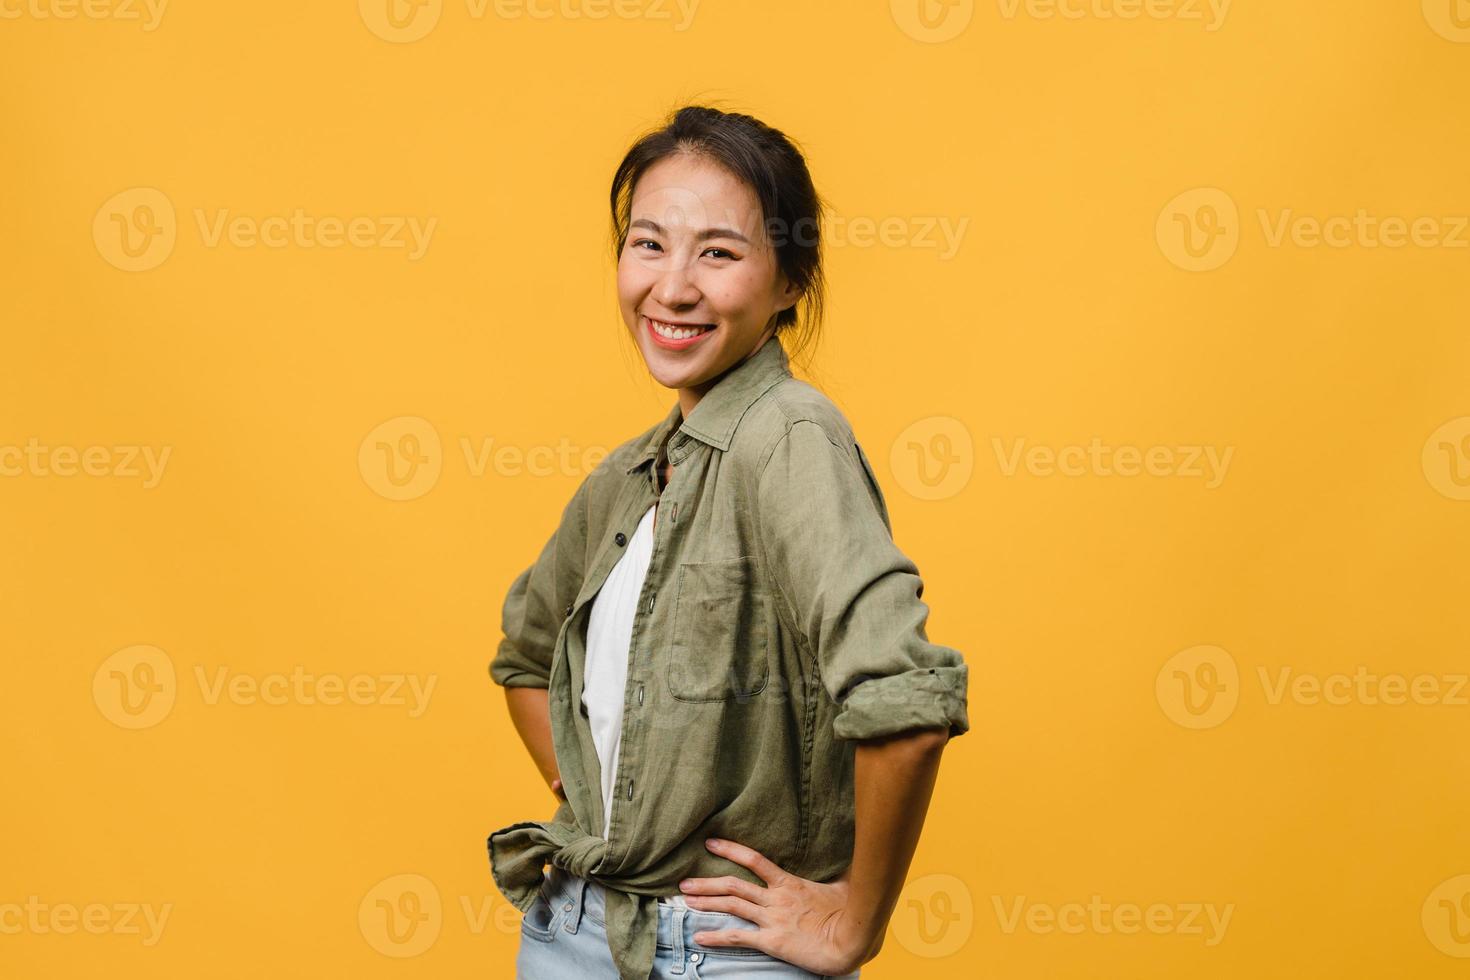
<point>748,938</point>
<point>766,869</point>
<point>725,885</point>
<point>735,906</point>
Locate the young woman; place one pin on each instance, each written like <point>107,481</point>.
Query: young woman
<point>719,660</point>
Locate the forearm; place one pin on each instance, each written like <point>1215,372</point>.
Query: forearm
<point>894,779</point>
<point>530,713</point>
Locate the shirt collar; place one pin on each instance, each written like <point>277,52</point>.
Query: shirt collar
<point>715,415</point>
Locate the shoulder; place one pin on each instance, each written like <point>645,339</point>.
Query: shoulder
<point>789,404</point>
<point>795,443</point>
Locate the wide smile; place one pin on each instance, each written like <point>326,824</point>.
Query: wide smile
<point>676,336</point>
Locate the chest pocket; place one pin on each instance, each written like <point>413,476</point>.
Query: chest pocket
<point>724,627</point>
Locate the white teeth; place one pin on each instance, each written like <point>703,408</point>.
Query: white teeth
<point>675,333</point>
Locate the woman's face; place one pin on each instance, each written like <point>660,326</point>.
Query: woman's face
<point>698,281</point>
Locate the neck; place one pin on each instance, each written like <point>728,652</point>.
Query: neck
<point>689,397</point>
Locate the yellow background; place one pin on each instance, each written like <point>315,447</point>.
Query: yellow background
<point>1335,541</point>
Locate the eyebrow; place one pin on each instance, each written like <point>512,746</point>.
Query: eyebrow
<point>704,235</point>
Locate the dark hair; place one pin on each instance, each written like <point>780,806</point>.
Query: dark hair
<point>767,161</point>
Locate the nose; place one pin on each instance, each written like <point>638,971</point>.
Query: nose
<point>675,287</point>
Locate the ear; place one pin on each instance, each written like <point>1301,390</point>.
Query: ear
<point>789,294</point>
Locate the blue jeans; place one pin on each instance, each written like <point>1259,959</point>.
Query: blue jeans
<point>563,935</point>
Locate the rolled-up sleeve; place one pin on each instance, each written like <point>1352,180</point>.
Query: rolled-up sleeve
<point>855,597</point>
<point>535,605</point>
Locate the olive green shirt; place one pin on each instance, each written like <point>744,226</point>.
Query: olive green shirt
<point>777,625</point>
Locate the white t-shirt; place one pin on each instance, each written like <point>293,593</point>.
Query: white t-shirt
<point>609,635</point>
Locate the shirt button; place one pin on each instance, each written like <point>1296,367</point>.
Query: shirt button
<point>569,608</point>
<point>650,603</point>
<point>620,538</point>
